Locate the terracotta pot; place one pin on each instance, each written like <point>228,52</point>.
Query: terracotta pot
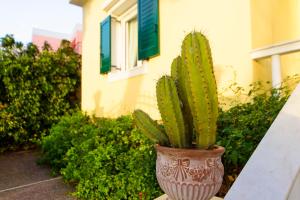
<point>189,174</point>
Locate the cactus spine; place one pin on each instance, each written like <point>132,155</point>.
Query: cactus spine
<point>150,128</point>
<point>169,106</point>
<point>200,87</point>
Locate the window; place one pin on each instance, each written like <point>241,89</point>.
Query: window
<point>131,44</point>
<point>128,43</point>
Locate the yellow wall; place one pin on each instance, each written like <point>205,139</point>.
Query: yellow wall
<point>226,23</point>
<point>275,21</point>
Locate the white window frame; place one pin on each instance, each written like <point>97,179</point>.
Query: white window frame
<point>122,71</point>
<point>124,19</point>
<point>124,26</point>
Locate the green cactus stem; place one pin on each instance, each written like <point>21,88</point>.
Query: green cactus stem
<point>177,75</point>
<point>150,128</point>
<point>175,68</point>
<point>200,87</point>
<point>169,106</point>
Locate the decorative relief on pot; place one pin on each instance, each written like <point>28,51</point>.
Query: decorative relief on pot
<point>189,177</point>
<point>209,170</point>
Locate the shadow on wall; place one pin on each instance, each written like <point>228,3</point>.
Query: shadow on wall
<point>143,96</point>
<point>131,94</point>
<point>98,111</point>
<point>136,95</point>
<point>226,76</point>
<point>290,64</point>
<point>139,92</point>
<point>129,100</point>
<point>219,71</point>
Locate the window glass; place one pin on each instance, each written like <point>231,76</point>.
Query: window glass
<point>132,43</point>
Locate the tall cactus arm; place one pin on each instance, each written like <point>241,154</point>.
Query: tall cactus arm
<point>176,73</point>
<point>207,63</point>
<point>200,87</point>
<point>150,128</point>
<point>170,110</point>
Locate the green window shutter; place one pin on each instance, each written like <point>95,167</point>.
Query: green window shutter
<point>148,38</point>
<point>105,45</point>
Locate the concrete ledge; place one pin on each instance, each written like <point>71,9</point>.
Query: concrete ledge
<point>272,172</point>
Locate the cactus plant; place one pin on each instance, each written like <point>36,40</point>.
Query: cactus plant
<point>170,109</point>
<point>200,87</point>
<point>150,128</point>
<point>187,100</point>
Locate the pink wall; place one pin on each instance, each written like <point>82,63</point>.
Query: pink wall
<point>39,40</point>
<point>76,42</point>
<point>39,37</point>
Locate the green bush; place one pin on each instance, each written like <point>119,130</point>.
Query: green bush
<point>36,88</point>
<point>71,130</point>
<point>110,159</point>
<point>105,158</point>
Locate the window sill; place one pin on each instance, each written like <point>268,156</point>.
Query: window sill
<point>116,76</point>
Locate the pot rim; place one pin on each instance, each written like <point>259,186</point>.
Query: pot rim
<point>192,152</point>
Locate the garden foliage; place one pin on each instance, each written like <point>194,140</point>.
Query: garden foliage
<point>104,158</point>
<point>110,159</point>
<point>36,88</point>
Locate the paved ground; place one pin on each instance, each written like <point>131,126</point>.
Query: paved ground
<point>22,179</point>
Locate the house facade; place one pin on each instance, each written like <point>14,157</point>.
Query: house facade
<point>128,44</point>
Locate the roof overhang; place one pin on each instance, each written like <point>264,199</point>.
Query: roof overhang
<point>77,2</point>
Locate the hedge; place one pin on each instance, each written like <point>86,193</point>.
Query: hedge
<point>36,89</point>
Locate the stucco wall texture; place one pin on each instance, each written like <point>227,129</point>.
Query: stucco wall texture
<point>233,27</point>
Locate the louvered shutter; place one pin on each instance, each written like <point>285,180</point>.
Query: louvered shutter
<point>105,45</point>
<point>148,29</point>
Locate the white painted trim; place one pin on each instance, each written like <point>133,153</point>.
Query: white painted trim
<point>129,14</point>
<point>276,71</point>
<point>276,49</point>
<point>116,76</point>
<point>108,4</point>
<point>119,48</point>
<point>122,11</point>
<point>117,7</point>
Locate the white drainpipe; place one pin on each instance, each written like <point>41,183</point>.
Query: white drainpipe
<point>276,71</point>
